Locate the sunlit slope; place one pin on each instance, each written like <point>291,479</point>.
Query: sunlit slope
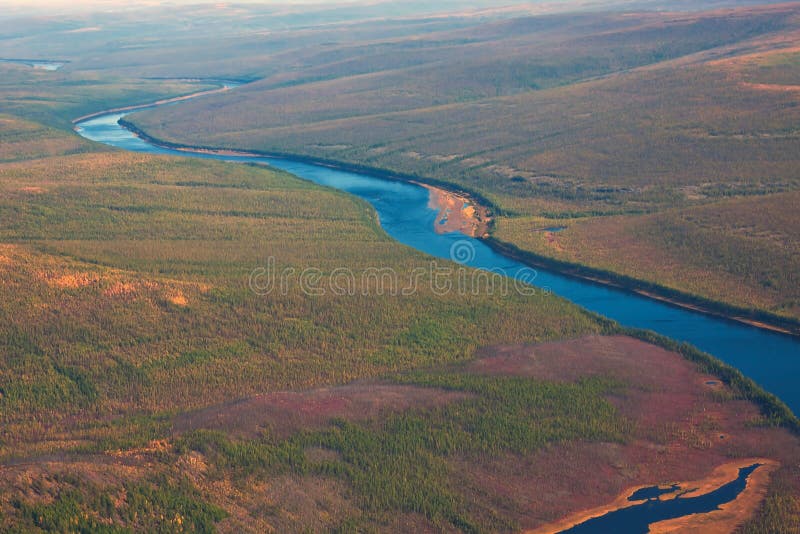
<point>55,98</point>
<point>362,76</point>
<point>743,251</point>
<point>145,386</point>
<point>126,291</point>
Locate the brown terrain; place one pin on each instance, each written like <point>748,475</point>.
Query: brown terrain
<point>677,126</point>
<point>685,426</point>
<point>458,213</point>
<point>286,412</point>
<point>156,103</point>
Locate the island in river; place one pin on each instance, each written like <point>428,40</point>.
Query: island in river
<point>457,212</point>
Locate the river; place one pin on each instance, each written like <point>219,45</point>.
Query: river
<point>771,359</point>
<point>36,63</point>
<point>636,519</point>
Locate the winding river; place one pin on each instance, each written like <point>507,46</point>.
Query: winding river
<point>769,358</point>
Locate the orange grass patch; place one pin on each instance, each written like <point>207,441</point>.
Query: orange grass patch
<point>71,280</point>
<point>178,299</point>
<point>774,87</point>
<point>121,289</point>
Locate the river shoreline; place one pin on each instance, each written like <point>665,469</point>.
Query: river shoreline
<point>754,318</point>
<point>730,515</point>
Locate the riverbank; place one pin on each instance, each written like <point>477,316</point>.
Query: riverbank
<point>755,318</point>
<point>743,349</point>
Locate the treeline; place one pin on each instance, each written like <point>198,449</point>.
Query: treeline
<point>158,505</point>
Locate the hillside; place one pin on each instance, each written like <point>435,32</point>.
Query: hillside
<point>621,115</point>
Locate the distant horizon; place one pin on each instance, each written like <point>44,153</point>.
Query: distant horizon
<point>54,7</point>
<point>78,4</point>
<point>32,6</point>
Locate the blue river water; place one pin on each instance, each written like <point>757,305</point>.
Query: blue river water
<point>770,359</point>
<point>636,519</point>
<point>35,63</point>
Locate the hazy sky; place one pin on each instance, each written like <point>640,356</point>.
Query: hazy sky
<point>55,7</point>
<point>32,5</point>
<point>126,3</point>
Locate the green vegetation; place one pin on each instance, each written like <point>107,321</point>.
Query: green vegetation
<point>56,98</point>
<point>153,506</point>
<point>21,140</point>
<point>126,302</point>
<point>400,464</point>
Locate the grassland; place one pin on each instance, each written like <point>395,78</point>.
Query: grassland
<point>705,112</point>
<point>448,448</point>
<point>743,251</point>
